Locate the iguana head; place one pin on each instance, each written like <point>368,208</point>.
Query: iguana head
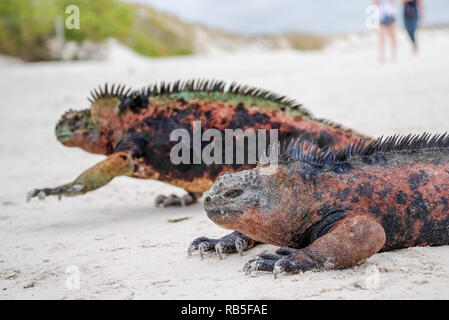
<point>76,129</point>
<point>90,129</point>
<point>234,195</point>
<point>271,204</point>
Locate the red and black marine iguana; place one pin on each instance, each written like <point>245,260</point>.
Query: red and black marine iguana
<point>333,209</point>
<point>133,129</point>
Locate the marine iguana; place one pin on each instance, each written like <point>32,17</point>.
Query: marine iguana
<point>133,129</point>
<point>333,209</point>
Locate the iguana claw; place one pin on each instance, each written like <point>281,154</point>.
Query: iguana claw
<point>190,249</point>
<point>278,269</point>
<point>234,242</point>
<point>65,190</point>
<point>262,262</point>
<point>41,196</point>
<point>239,244</point>
<point>35,193</point>
<point>204,246</point>
<point>251,266</point>
<point>219,250</point>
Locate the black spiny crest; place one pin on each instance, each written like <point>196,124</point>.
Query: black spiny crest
<point>132,100</point>
<point>397,143</point>
<point>204,85</point>
<point>298,150</point>
<point>166,88</point>
<point>119,91</point>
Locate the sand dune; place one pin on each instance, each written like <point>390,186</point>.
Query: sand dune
<point>126,248</point>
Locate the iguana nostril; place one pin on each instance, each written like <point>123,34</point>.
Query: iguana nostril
<point>207,199</point>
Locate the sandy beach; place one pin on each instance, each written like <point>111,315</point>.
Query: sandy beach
<point>126,248</point>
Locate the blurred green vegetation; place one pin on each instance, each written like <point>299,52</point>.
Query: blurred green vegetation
<point>27,25</point>
<point>157,34</point>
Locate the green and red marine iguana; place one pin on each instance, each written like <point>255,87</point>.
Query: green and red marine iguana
<point>333,209</point>
<point>133,129</point>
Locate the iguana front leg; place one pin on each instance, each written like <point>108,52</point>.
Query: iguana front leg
<point>350,241</point>
<point>233,242</point>
<point>117,164</point>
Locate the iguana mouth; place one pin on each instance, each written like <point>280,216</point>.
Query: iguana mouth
<point>222,211</point>
<point>63,137</point>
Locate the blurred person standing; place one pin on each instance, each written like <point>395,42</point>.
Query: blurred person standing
<point>412,13</point>
<point>387,26</point>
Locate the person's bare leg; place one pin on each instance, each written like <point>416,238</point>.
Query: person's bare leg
<point>415,26</point>
<point>381,43</point>
<point>392,31</point>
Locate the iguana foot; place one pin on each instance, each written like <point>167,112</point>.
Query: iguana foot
<point>117,164</point>
<point>270,262</point>
<point>65,190</point>
<point>174,201</point>
<point>234,242</point>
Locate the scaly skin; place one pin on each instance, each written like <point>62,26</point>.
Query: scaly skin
<point>335,209</point>
<point>138,125</point>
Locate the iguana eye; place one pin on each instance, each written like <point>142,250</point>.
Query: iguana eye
<point>233,193</point>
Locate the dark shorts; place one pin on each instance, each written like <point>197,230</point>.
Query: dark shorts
<point>387,20</point>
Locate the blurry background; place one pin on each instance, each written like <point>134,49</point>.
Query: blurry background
<point>267,16</point>
<point>33,29</point>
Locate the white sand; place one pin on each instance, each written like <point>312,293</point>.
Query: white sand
<point>125,248</point>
